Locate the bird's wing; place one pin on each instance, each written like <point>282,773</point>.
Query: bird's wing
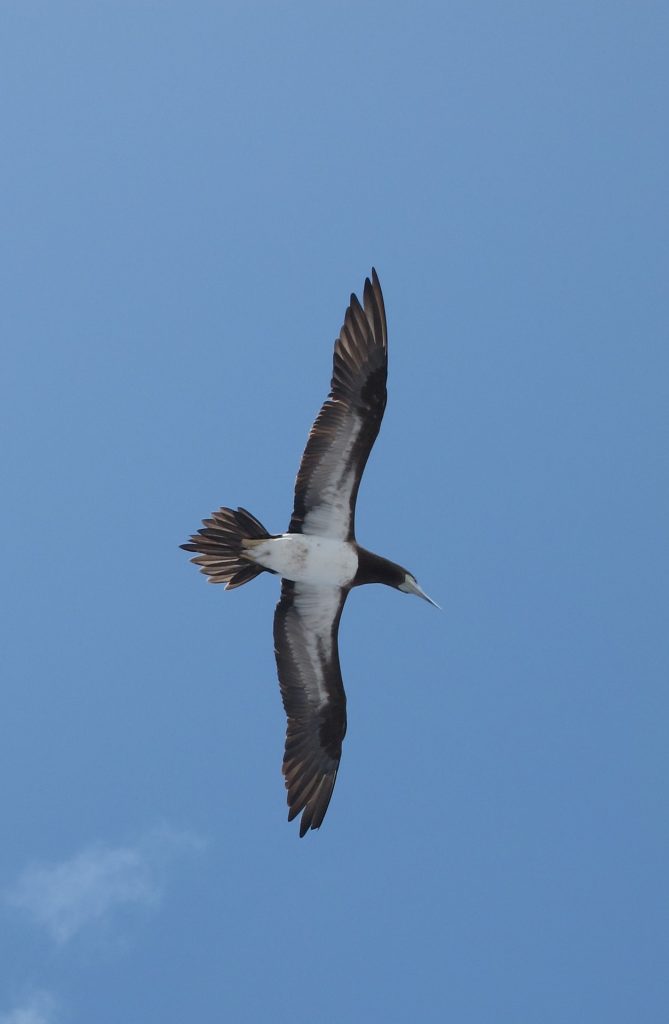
<point>306,623</point>
<point>348,423</point>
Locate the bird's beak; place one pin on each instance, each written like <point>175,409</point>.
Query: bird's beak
<point>412,588</point>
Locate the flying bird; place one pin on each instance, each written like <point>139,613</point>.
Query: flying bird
<point>318,558</point>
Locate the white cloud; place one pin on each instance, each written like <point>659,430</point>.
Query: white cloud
<point>38,1009</point>
<point>66,897</point>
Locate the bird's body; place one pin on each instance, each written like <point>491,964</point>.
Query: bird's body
<point>306,559</point>
<point>318,558</point>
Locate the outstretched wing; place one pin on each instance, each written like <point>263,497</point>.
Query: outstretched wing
<point>306,624</point>
<point>348,423</point>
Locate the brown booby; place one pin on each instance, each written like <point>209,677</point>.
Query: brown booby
<point>318,558</point>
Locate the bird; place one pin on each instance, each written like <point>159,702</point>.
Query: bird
<point>318,558</point>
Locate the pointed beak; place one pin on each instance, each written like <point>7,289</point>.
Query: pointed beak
<point>413,588</point>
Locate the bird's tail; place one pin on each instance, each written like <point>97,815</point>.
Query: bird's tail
<point>220,547</point>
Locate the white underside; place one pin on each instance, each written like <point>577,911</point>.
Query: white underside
<point>306,559</point>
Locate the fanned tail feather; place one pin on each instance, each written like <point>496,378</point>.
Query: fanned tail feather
<point>220,547</point>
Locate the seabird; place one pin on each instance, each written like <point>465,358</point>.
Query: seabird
<point>318,558</point>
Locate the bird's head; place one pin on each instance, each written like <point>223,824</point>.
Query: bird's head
<point>410,586</point>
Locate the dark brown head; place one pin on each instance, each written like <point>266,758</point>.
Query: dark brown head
<point>374,569</point>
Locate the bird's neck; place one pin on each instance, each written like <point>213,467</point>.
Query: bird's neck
<point>375,569</point>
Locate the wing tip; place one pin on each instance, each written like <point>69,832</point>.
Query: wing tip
<point>375,308</point>
<point>314,808</point>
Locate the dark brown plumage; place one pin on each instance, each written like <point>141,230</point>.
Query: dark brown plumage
<point>219,547</point>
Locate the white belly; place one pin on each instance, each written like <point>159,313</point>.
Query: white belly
<point>306,559</point>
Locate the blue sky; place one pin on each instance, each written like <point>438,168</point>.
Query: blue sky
<point>190,192</point>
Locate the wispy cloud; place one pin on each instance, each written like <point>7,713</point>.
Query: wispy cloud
<point>38,1009</point>
<point>68,896</point>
